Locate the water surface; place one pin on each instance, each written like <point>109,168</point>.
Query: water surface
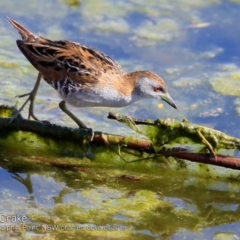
<point>194,46</point>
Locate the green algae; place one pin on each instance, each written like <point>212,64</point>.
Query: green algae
<point>163,30</point>
<point>91,200</point>
<point>104,196</point>
<point>187,83</point>
<point>226,83</point>
<point>203,202</point>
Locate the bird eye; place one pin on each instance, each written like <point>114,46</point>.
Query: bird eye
<point>158,89</point>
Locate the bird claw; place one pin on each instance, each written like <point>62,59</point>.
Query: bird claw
<point>24,95</point>
<point>17,114</point>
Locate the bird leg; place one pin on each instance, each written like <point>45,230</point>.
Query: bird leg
<point>31,96</point>
<point>63,107</point>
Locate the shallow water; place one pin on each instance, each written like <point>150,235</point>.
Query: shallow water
<point>194,46</point>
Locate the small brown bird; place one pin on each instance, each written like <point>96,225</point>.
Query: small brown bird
<point>85,77</point>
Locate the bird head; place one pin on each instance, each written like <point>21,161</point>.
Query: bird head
<point>150,85</point>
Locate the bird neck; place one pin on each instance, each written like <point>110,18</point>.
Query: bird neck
<point>129,87</point>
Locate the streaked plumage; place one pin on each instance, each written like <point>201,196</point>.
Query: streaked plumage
<point>86,77</point>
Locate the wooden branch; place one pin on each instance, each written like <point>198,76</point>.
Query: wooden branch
<point>165,132</point>
<point>212,140</point>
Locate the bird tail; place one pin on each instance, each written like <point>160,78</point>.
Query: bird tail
<point>26,35</point>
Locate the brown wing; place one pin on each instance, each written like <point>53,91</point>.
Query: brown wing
<point>56,60</point>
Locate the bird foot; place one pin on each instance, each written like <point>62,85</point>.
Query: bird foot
<point>31,96</point>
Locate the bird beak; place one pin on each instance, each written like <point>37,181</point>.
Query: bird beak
<point>167,98</point>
